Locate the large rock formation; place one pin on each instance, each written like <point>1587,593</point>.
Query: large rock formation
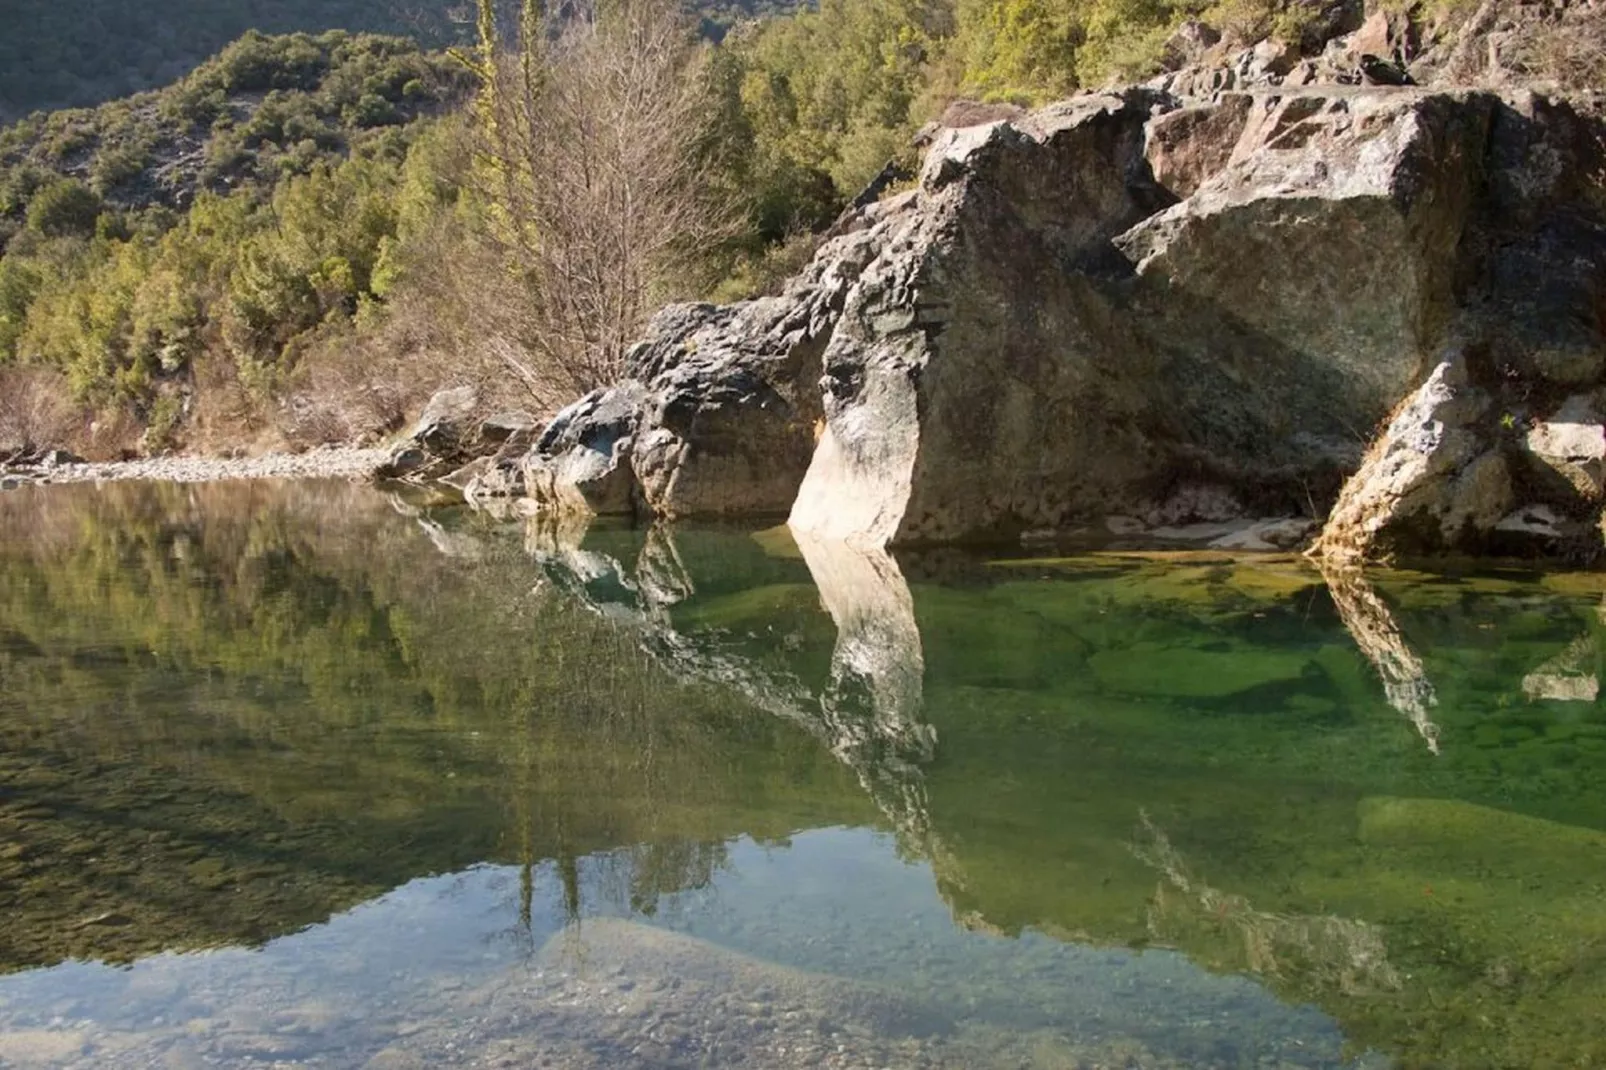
<point>1499,448</point>
<point>1172,309</point>
<point>1075,353</point>
<point>719,413</point>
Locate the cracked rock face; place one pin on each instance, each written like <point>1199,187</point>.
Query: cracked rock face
<point>1080,311</point>
<point>1499,451</point>
<point>1428,478</point>
<point>1056,337</point>
<point>971,378</point>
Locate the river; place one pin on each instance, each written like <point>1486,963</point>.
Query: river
<point>309,774</point>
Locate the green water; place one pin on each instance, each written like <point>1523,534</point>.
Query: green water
<point>315,776</point>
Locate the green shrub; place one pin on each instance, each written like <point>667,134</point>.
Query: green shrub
<point>114,165</point>
<point>162,423</point>
<point>372,109</point>
<point>65,207</point>
<point>19,281</point>
<point>257,63</point>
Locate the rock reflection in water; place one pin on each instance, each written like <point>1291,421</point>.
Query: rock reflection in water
<point>1371,624</point>
<point>867,711</point>
<point>872,709</point>
<point>1213,651</point>
<point>1569,676</point>
<point>1319,951</point>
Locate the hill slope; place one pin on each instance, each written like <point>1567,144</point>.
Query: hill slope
<point>77,53</point>
<point>71,53</point>
<point>263,108</point>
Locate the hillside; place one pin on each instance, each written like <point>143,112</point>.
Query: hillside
<point>77,53</point>
<point>230,213</point>
<point>263,108</point>
<point>71,53</point>
<point>250,258</point>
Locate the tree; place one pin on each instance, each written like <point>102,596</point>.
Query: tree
<point>598,162</point>
<point>835,89</point>
<point>1019,49</point>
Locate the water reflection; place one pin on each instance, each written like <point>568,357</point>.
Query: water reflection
<point>423,976</point>
<point>872,707</point>
<point>255,716</point>
<point>1340,954</point>
<point>1371,624</point>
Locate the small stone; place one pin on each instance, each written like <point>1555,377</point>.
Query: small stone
<point>1539,520</point>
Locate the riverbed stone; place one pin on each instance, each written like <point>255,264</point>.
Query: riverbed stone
<point>440,440</point>
<point>582,460</point>
<point>444,425</point>
<point>951,406</point>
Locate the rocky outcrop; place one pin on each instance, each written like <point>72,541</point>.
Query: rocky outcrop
<point>719,412</point>
<point>1241,338</point>
<point>1139,304</point>
<point>949,400</point>
<point>1428,472</point>
<point>438,441</point>
<point>452,441</point>
<point>1499,450</point>
<point>23,465</point>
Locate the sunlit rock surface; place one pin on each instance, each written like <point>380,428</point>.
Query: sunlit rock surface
<point>1081,311</point>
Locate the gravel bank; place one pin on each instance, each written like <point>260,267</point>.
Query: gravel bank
<point>335,463</point>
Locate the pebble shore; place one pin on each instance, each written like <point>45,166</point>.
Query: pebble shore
<point>330,463</point>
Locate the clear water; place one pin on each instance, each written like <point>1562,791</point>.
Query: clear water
<point>313,776</point>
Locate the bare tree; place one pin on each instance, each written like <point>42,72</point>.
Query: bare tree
<point>34,412</point>
<point>597,160</point>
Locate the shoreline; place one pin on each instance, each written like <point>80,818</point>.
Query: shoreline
<point>339,462</point>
